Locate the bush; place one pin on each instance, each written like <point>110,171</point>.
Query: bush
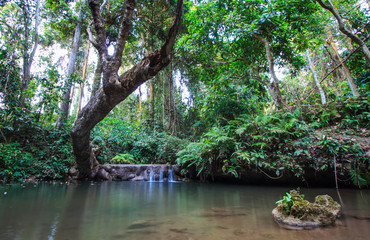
<point>115,137</point>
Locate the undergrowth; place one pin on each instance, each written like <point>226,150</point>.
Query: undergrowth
<point>285,143</point>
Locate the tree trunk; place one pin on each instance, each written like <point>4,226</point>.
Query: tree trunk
<point>339,59</point>
<point>151,86</point>
<point>338,73</point>
<point>64,110</point>
<point>140,105</point>
<point>116,87</point>
<point>97,77</point>
<point>344,30</point>
<point>82,85</point>
<point>151,100</point>
<point>173,117</point>
<point>28,58</point>
<point>273,88</point>
<point>311,67</point>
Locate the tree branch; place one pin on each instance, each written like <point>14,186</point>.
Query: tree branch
<point>340,63</point>
<point>156,61</point>
<point>171,37</point>
<point>36,35</point>
<point>123,33</point>
<point>339,19</point>
<point>331,8</point>
<point>91,36</point>
<point>101,36</point>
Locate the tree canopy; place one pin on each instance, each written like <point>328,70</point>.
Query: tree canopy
<point>218,87</point>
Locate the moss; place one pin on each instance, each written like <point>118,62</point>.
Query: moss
<point>324,211</point>
<point>301,208</point>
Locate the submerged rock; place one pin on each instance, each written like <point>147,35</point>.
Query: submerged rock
<point>295,212</point>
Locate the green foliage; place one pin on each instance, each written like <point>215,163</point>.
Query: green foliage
<point>360,178</point>
<point>289,200</point>
<point>114,136</point>
<point>123,158</point>
<point>356,112</point>
<point>278,143</point>
<point>14,161</point>
<point>209,153</point>
<point>44,157</point>
<point>227,122</point>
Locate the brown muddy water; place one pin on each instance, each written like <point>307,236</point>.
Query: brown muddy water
<point>152,210</point>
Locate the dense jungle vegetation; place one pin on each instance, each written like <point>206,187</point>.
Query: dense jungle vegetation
<point>273,88</point>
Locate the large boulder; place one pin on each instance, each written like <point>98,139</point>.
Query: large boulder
<point>295,212</point>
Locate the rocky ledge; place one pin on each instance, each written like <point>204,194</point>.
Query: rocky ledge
<point>132,172</point>
<point>294,212</point>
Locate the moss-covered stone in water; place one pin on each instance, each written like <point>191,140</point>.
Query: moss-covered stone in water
<point>300,213</point>
<point>301,209</point>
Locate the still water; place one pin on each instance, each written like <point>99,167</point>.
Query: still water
<point>184,211</point>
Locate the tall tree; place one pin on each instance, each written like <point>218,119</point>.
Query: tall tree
<point>20,21</point>
<point>314,76</point>
<point>28,57</point>
<point>273,85</point>
<point>330,7</point>
<point>339,60</point>
<point>116,87</point>
<point>97,77</point>
<point>64,110</point>
<point>82,85</point>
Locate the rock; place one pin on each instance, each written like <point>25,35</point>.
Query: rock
<point>102,174</point>
<point>176,169</point>
<point>295,212</point>
<point>73,171</point>
<point>31,179</point>
<point>92,174</point>
<point>107,167</point>
<point>126,172</point>
<point>113,174</point>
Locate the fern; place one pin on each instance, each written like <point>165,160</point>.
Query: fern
<point>123,158</point>
<point>359,178</point>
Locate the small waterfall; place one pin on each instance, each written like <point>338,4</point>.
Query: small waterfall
<point>161,171</point>
<point>170,174</point>
<point>151,174</point>
<point>145,172</point>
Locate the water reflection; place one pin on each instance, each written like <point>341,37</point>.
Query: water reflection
<point>153,210</point>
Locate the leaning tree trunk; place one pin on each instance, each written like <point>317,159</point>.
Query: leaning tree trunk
<point>70,69</point>
<point>330,7</point>
<point>317,82</point>
<point>116,87</point>
<point>273,87</point>
<point>339,60</point>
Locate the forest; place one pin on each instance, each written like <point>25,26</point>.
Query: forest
<point>232,90</point>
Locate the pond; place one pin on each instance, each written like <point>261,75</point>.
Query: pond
<point>152,210</point>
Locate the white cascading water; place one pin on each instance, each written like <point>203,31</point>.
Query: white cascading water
<point>161,170</point>
<point>170,174</point>
<point>151,174</point>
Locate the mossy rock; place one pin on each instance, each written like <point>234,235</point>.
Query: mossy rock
<point>298,213</point>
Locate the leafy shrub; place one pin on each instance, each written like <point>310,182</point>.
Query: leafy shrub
<point>39,152</point>
<point>114,136</point>
<point>123,158</point>
<point>208,154</point>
